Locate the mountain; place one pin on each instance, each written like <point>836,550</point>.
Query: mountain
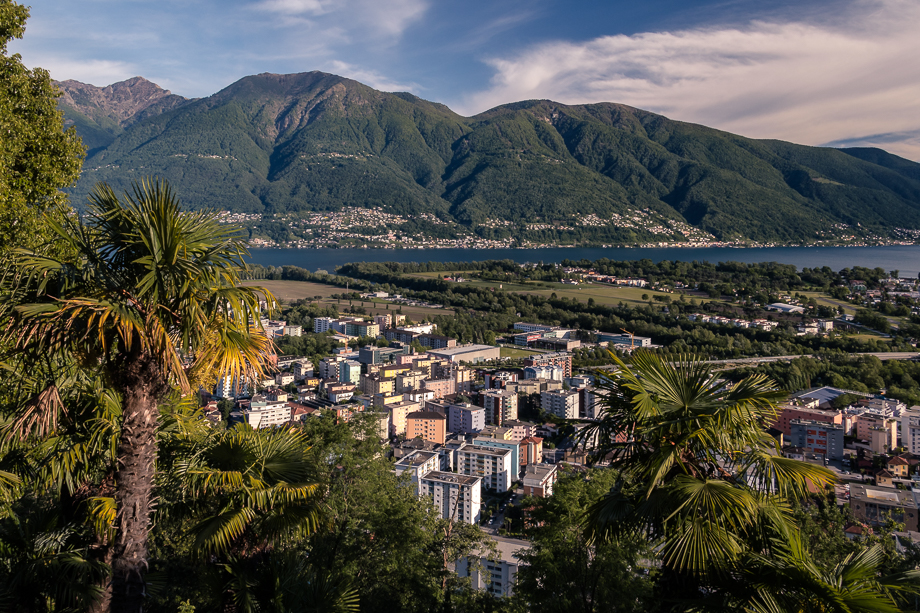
<point>277,144</point>
<point>102,113</point>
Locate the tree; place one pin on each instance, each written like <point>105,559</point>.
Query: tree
<point>146,296</point>
<point>37,156</point>
<point>700,477</point>
<point>565,570</point>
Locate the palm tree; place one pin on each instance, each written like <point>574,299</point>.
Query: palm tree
<point>788,580</point>
<point>699,475</point>
<point>148,299</point>
<point>247,490</point>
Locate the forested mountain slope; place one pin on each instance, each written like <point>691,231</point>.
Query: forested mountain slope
<point>276,144</point>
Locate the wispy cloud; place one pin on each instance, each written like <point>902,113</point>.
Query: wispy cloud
<point>371,77</point>
<point>811,83</point>
<point>377,18</point>
<point>95,72</point>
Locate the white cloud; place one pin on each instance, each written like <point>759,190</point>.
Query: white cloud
<point>807,83</point>
<point>377,18</point>
<point>95,72</point>
<point>371,78</point>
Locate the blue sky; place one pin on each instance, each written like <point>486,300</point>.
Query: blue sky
<point>839,72</point>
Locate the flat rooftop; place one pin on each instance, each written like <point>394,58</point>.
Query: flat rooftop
<point>451,351</point>
<point>416,458</point>
<point>444,477</point>
<point>486,450</point>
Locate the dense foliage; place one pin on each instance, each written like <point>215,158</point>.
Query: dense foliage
<point>37,157</point>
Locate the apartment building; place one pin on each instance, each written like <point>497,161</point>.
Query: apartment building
<point>531,450</point>
<point>465,419</point>
<point>266,414</point>
<point>427,425</point>
<point>499,443</point>
<point>490,463</point>
<point>910,429</point>
<point>456,497</point>
<point>789,413</point>
<point>500,405</point>
<point>350,372</point>
<point>329,367</point>
<point>593,406</point>
<point>867,422</point>
<point>562,403</point>
<point>362,328</point>
<point>559,358</point>
<point>399,413</point>
<point>539,480</point>
<point>494,576</point>
<point>418,464</point>
<point>818,437</point>
<point>874,505</point>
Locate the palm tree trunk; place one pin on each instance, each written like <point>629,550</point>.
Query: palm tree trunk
<point>142,385</point>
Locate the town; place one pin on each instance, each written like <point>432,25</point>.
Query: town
<point>479,434</point>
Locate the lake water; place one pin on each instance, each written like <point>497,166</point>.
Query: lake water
<point>903,258</point>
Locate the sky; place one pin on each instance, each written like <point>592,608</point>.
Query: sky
<point>817,72</point>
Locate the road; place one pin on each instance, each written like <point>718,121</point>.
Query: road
<point>882,355</point>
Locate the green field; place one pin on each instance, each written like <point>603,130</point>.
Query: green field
<point>825,300</point>
<point>509,352</point>
<point>603,294</point>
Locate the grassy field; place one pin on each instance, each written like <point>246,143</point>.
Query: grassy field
<point>509,352</point>
<point>602,294</point>
<point>287,291</point>
<point>825,300</point>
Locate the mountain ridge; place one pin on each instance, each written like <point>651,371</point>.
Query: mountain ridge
<point>279,144</point>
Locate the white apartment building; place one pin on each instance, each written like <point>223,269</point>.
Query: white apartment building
<point>456,497</point>
<point>322,324</point>
<point>497,577</point>
<point>910,429</point>
<point>594,403</point>
<point>329,367</point>
<point>284,378</point>
<point>419,463</point>
<point>492,464</point>
<point>267,415</point>
<point>561,403</point>
<point>556,373</point>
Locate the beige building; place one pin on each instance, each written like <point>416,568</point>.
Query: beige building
<point>376,384</point>
<point>399,412</point>
<point>866,422</point>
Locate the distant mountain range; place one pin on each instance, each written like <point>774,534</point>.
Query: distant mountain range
<point>279,144</point>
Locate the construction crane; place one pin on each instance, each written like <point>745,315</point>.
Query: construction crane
<point>632,338</point>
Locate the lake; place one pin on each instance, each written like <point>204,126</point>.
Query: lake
<point>903,258</point>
